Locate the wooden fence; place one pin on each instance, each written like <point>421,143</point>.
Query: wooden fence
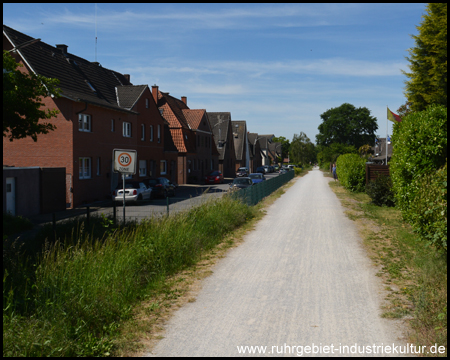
<point>372,171</point>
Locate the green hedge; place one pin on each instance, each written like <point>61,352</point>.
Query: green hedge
<point>351,171</point>
<point>419,148</point>
<point>429,210</point>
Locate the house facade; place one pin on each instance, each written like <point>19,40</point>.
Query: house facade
<point>241,143</point>
<point>254,151</point>
<point>223,137</point>
<point>99,110</point>
<point>192,135</point>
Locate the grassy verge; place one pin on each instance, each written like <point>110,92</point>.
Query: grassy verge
<point>74,299</point>
<point>415,276</point>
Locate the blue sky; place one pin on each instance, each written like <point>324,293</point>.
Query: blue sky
<point>277,66</point>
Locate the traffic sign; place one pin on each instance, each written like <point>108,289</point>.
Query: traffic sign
<point>124,161</point>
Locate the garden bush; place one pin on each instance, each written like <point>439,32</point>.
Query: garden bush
<point>429,210</point>
<point>351,172</point>
<point>380,191</point>
<point>419,148</point>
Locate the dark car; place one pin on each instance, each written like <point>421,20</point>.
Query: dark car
<point>242,172</point>
<point>261,169</point>
<point>161,187</point>
<point>240,183</point>
<point>214,177</point>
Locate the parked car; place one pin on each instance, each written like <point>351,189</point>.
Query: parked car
<point>134,191</point>
<point>260,169</point>
<point>283,171</point>
<point>257,177</point>
<point>214,177</point>
<point>242,171</point>
<point>161,187</point>
<point>240,183</point>
<point>266,168</point>
<point>276,167</point>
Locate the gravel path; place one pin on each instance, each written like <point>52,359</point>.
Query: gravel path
<point>301,278</point>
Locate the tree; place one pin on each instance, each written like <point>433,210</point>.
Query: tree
<point>427,82</point>
<point>22,94</point>
<point>302,150</point>
<point>329,154</point>
<point>285,144</point>
<point>347,125</point>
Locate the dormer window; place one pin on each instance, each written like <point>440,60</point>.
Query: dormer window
<point>90,85</point>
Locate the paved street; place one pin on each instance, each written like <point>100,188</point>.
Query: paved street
<point>186,197</point>
<point>301,278</point>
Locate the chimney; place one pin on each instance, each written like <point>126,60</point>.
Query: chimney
<point>127,76</point>
<point>155,93</point>
<point>62,47</point>
<point>184,99</point>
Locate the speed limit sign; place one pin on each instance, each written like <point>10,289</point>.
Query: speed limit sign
<point>124,161</point>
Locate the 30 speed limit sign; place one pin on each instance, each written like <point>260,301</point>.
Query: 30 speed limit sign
<point>124,161</point>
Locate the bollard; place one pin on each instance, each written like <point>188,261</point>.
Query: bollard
<point>88,213</point>
<point>54,225</point>
<point>114,212</point>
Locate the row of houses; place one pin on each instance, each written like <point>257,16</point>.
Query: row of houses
<point>101,110</point>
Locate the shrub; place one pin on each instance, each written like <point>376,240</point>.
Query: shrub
<point>380,190</point>
<point>351,171</point>
<point>13,224</point>
<point>429,210</point>
<point>419,148</point>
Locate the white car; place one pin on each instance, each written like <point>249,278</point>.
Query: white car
<point>134,191</point>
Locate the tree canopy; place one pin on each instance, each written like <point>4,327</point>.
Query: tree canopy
<point>427,82</point>
<point>285,144</point>
<point>348,125</point>
<point>22,101</point>
<point>302,150</point>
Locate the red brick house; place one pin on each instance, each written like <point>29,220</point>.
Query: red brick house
<point>191,133</point>
<point>100,110</point>
<point>207,155</point>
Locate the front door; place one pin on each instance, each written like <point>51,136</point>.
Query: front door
<point>11,195</point>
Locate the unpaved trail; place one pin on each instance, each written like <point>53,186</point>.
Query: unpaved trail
<point>301,278</point>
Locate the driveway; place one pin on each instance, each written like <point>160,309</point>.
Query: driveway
<point>300,279</point>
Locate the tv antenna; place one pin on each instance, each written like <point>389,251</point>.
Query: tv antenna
<point>96,32</point>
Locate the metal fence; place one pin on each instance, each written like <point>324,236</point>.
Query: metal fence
<point>163,207</point>
<point>254,194</point>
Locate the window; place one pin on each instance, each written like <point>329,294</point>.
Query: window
<point>113,127</point>
<point>98,166</point>
<point>146,103</point>
<point>84,122</point>
<point>159,133</point>
<point>142,168</point>
<point>143,132</point>
<point>85,168</point>
<point>126,129</point>
<point>151,132</point>
<point>163,167</point>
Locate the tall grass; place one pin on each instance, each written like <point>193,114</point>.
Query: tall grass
<point>72,299</point>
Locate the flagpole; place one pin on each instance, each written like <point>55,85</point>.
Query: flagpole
<point>386,136</point>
